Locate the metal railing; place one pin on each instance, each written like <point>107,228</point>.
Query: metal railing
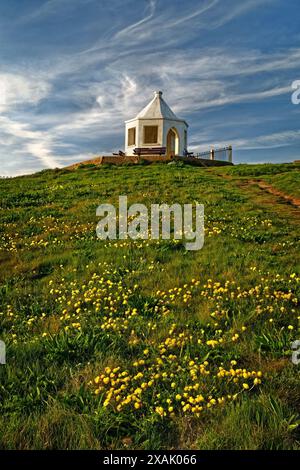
<point>222,154</point>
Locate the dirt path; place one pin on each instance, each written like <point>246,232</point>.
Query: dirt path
<point>276,192</point>
<point>264,193</point>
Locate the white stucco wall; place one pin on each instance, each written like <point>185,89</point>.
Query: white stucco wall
<point>164,125</point>
<point>129,125</point>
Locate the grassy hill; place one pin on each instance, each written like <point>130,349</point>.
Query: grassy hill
<point>144,345</point>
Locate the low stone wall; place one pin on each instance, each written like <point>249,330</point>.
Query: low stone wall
<point>202,162</point>
<point>134,159</point>
<point>119,160</point>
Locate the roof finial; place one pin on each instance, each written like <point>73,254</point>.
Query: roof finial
<point>158,93</point>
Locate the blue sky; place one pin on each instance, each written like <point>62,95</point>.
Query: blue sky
<point>71,72</point>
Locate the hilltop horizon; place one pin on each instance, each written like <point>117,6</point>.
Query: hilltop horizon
<point>73,71</point>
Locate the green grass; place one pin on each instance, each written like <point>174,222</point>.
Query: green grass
<point>284,177</point>
<point>74,308</point>
<point>287,183</point>
<point>262,169</point>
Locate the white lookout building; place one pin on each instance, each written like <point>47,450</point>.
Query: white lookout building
<point>156,127</point>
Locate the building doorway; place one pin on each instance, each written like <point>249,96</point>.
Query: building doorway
<point>172,143</point>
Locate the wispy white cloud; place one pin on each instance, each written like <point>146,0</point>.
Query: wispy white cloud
<point>260,142</point>
<point>19,89</point>
<point>166,27</point>
<point>194,14</point>
<point>233,10</point>
<point>245,97</point>
<point>60,107</point>
<point>134,26</point>
<point>120,96</point>
<point>19,135</point>
<point>50,8</point>
<point>274,140</point>
<point>29,149</point>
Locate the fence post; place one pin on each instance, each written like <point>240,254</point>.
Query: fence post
<point>230,153</point>
<point>2,352</point>
<point>212,154</point>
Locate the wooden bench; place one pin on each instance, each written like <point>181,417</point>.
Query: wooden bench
<point>150,151</point>
<point>120,154</point>
<point>188,154</point>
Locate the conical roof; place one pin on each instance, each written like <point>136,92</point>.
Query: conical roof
<point>157,109</point>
